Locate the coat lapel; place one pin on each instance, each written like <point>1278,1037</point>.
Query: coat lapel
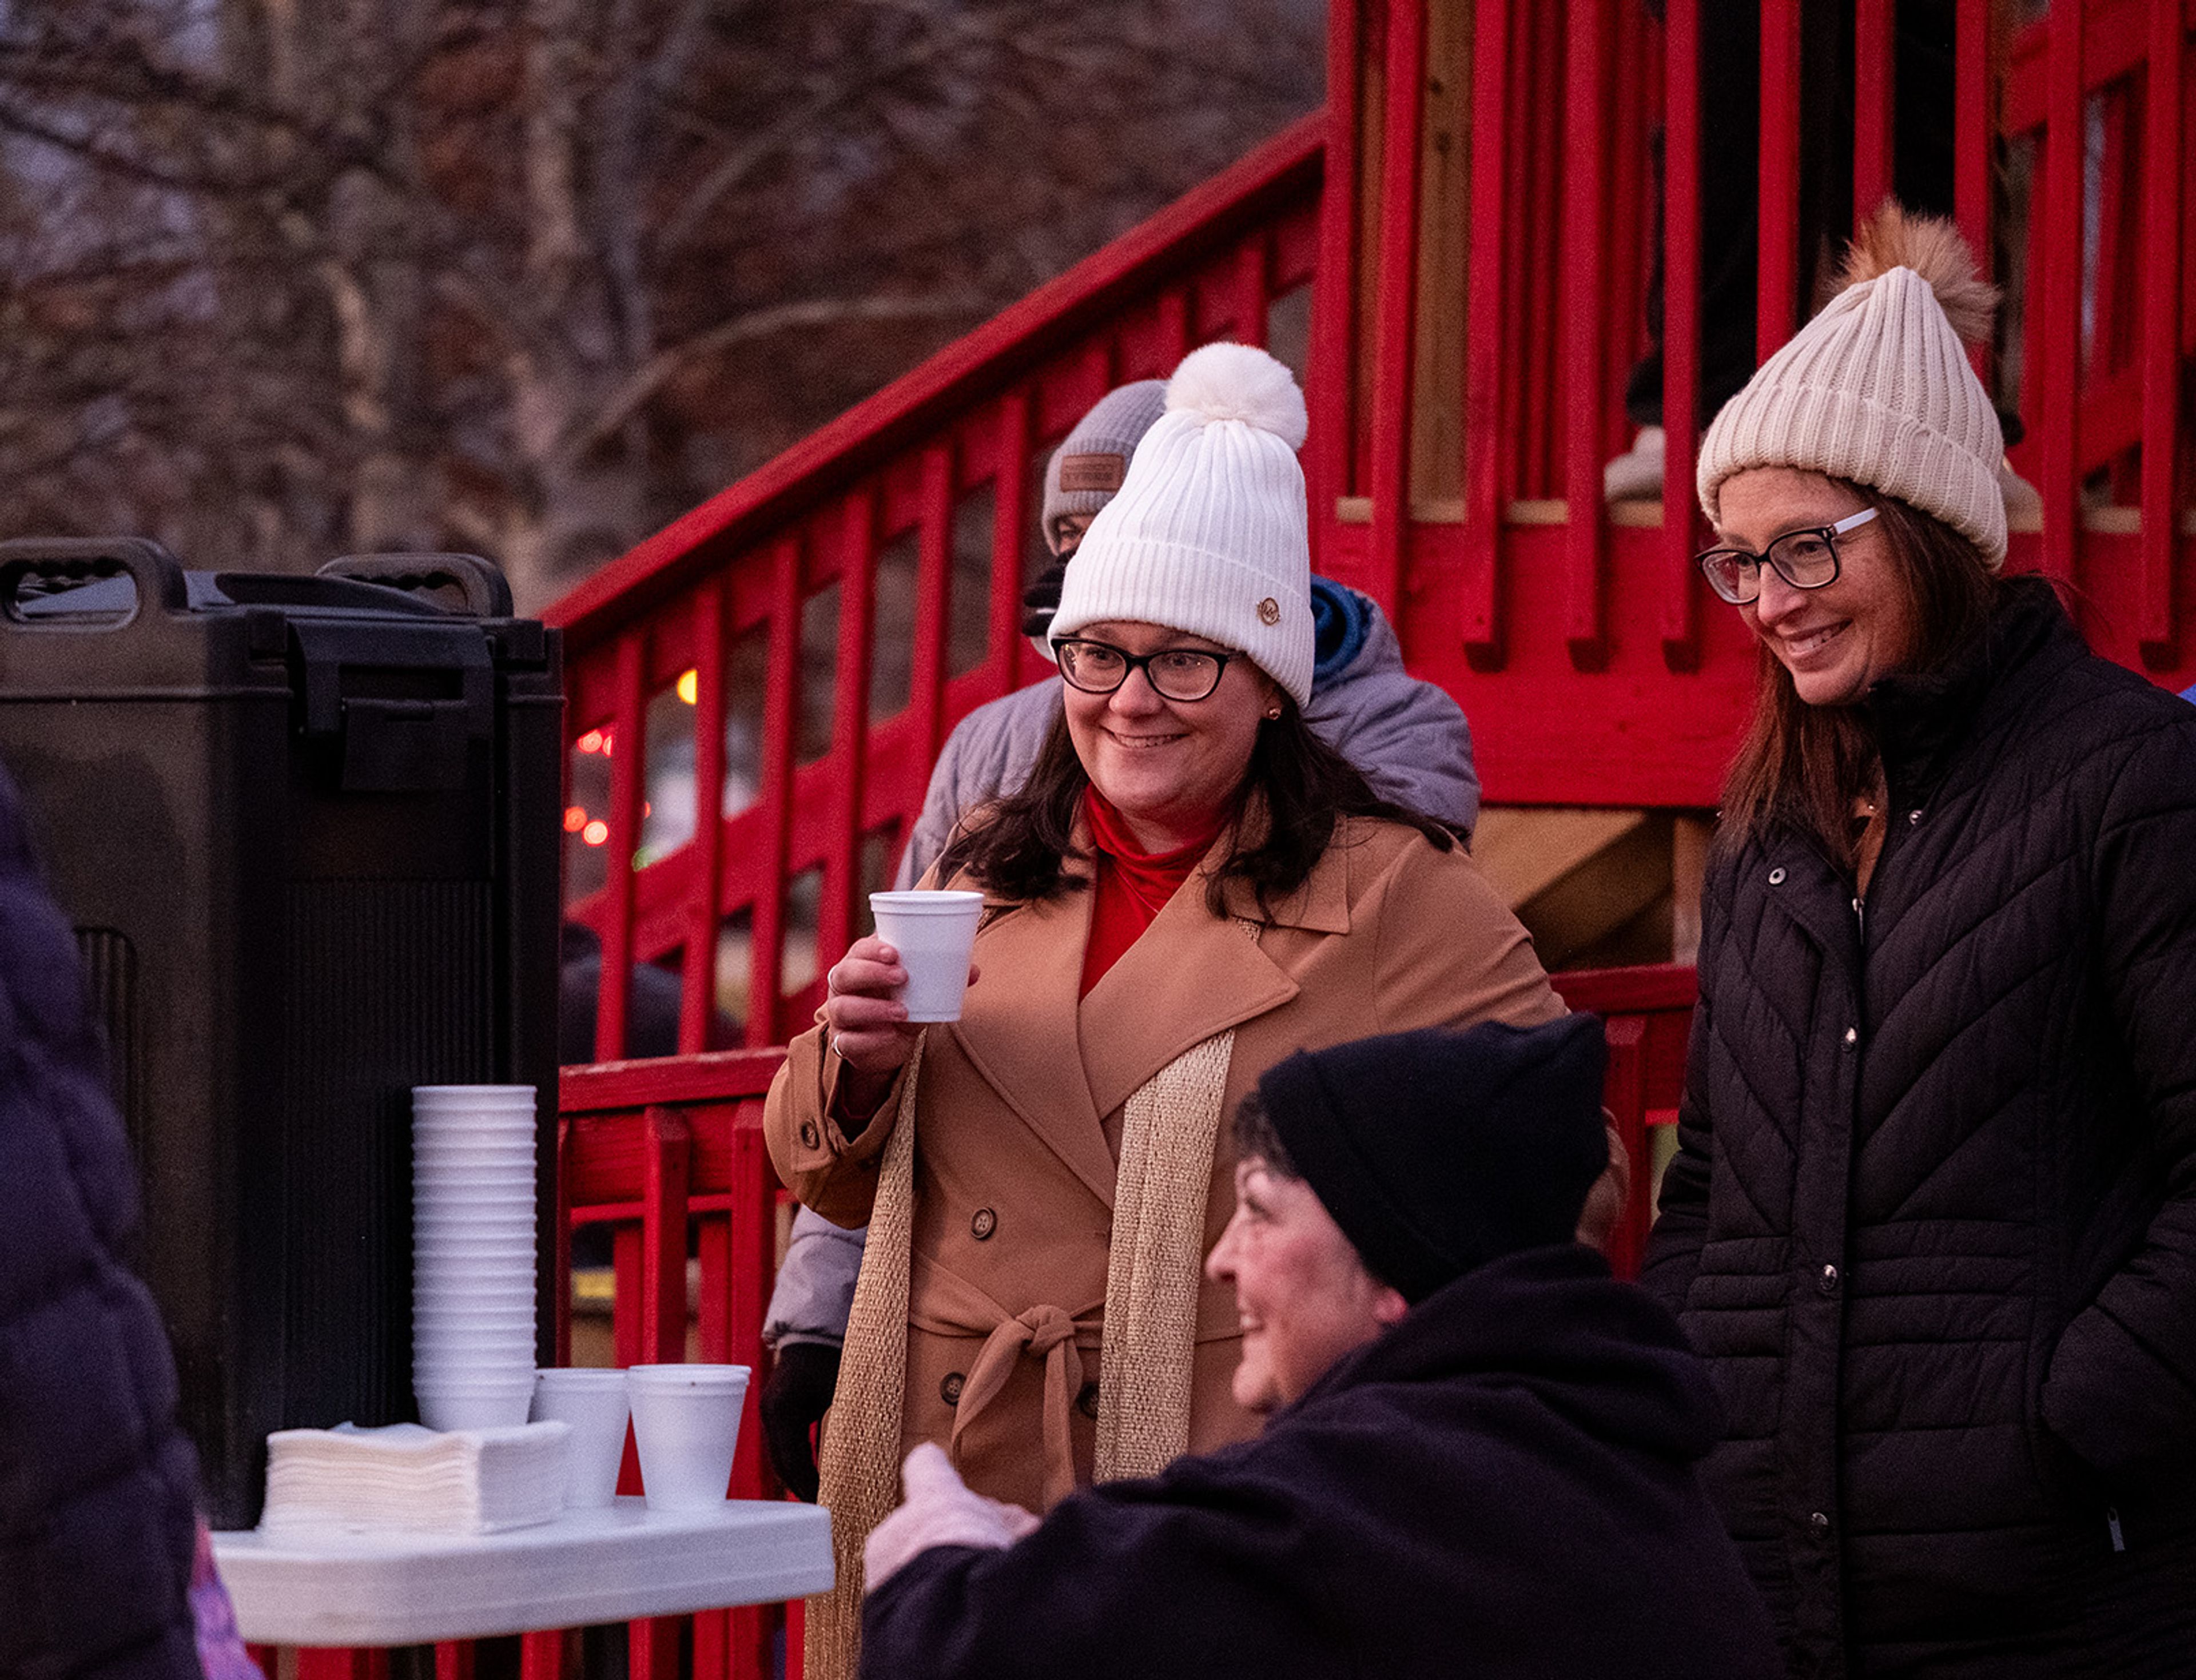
<point>1193,974</point>
<point>1021,1035</point>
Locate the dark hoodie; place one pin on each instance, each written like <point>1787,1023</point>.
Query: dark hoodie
<point>1501,1485</point>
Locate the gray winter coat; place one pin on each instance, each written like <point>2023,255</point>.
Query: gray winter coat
<point>1409,739</point>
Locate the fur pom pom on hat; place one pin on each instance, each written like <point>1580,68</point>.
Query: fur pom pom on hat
<point>1208,534</point>
<point>1877,390</point>
<point>1234,382</point>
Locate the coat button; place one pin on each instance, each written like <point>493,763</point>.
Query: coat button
<point>1087,1401</point>
<point>1818,1522</point>
<point>810,1135</point>
<point>1853,1036</point>
<point>983,1224</point>
<point>1913,818</point>
<point>950,1389</point>
<point>1827,1283</point>
<point>1777,876</point>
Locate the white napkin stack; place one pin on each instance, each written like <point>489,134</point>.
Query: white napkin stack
<point>459,1481</point>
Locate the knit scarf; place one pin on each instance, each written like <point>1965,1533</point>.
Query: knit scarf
<point>1145,1353</point>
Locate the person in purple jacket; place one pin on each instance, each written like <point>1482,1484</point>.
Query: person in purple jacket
<point>1408,738</point>
<point>98,1485</point>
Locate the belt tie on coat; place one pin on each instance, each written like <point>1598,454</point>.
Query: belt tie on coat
<point>1045,1333</point>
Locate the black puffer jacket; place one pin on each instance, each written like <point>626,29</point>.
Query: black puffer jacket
<point>1933,1220</point>
<point>96,1481</point>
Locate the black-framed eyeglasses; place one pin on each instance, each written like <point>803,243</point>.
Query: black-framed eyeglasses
<point>1806,559</point>
<point>1184,674</point>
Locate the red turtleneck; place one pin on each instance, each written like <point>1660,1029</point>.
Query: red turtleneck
<point>1131,887</point>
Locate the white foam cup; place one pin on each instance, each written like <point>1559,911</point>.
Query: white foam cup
<point>512,1286</point>
<point>502,1315</point>
<point>500,1403</point>
<point>491,1196</point>
<point>685,1426</point>
<point>933,933</point>
<point>486,1096</point>
<point>593,1402</point>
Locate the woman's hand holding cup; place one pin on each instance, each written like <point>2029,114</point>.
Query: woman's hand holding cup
<point>867,1025</point>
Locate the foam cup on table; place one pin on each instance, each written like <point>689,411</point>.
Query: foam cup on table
<point>933,933</point>
<point>457,1403</point>
<point>685,1426</point>
<point>594,1403</point>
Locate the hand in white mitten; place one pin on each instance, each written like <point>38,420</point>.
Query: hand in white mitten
<point>940,1511</point>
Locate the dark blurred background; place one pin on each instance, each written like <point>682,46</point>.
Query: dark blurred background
<point>286,279</point>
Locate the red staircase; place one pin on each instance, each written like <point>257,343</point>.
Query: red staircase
<point>748,747</point>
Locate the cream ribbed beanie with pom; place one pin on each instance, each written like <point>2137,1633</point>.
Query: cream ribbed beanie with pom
<point>1877,390</point>
<point>1209,534</point>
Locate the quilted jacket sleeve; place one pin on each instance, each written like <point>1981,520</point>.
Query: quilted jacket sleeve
<point>96,1478</point>
<point>1408,738</point>
<point>2122,1389</point>
<point>941,804</point>
<point>815,1289</point>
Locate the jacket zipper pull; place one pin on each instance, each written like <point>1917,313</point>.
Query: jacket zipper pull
<point>1860,918</point>
<point>2112,1527</point>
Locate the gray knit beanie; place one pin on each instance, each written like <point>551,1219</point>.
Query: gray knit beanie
<point>1877,390</point>
<point>1209,533</point>
<point>1092,461</point>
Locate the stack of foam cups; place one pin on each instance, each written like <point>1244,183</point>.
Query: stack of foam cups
<point>472,1255</point>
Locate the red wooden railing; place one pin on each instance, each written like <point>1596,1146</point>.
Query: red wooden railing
<point>1595,668</point>
<point>749,738</point>
<point>650,1149</point>
<point>743,645</point>
<point>747,751</point>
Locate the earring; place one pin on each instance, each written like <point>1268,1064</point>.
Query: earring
<point>1273,715</point>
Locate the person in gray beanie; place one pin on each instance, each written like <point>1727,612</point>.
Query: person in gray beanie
<point>1479,1448</point>
<point>1409,737</point>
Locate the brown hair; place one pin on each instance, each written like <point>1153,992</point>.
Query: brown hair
<point>1802,766</point>
<point>1255,1134</point>
<point>1020,850</point>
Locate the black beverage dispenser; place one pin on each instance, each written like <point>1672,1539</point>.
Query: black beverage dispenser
<point>306,830</point>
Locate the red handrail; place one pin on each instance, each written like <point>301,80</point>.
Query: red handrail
<point>737,647</point>
<point>1577,640</point>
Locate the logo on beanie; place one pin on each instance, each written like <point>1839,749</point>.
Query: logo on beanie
<point>1093,472</point>
<point>1269,611</point>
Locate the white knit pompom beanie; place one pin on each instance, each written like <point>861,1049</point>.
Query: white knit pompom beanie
<point>1877,390</point>
<point>1209,534</point>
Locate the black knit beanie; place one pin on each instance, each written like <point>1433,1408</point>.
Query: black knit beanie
<point>1436,1151</point>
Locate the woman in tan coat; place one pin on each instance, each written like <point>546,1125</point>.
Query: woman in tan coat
<point>1191,886</point>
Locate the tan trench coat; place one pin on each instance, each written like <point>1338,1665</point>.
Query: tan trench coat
<point>1020,1114</point>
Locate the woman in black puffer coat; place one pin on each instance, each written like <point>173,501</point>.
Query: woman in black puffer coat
<point>1932,1218</point>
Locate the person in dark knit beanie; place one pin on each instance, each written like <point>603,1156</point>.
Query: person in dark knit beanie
<point>1436,1151</point>
<point>1480,1446</point>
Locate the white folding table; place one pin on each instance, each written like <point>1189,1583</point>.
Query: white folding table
<point>361,1587</point>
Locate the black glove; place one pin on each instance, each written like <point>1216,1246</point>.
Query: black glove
<point>802,1380</point>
